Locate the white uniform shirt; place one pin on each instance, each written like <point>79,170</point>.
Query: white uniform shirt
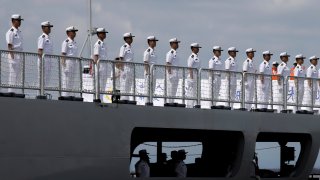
<point>299,72</point>
<point>230,64</point>
<point>283,70</point>
<point>126,53</point>
<point>45,43</point>
<point>142,168</point>
<point>100,50</point>
<point>172,57</point>
<point>69,47</point>
<point>265,68</point>
<point>312,72</point>
<point>215,63</point>
<point>248,66</point>
<point>181,169</point>
<point>149,56</point>
<point>193,61</point>
<point>15,38</point>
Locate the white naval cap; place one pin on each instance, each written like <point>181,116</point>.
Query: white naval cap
<point>16,16</point>
<point>217,48</point>
<point>195,45</point>
<point>174,40</point>
<point>275,63</point>
<point>46,24</point>
<point>300,56</point>
<point>284,54</point>
<point>128,34</point>
<point>71,28</point>
<point>314,58</point>
<point>249,50</point>
<point>232,49</point>
<point>102,30</point>
<point>152,38</point>
<point>267,53</point>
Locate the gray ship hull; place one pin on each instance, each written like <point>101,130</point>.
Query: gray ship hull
<point>44,140</point>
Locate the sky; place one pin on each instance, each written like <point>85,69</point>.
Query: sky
<point>275,25</point>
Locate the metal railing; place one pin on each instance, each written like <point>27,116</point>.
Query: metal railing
<point>54,75</point>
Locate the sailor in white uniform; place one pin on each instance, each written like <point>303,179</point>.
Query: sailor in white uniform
<point>99,57</point>
<point>310,85</point>
<point>284,71</point>
<point>172,73</point>
<point>45,46</point>
<point>215,77</point>
<point>248,67</point>
<point>299,72</point>
<point>264,83</point>
<point>126,55</point>
<point>142,166</point>
<point>150,58</point>
<point>14,41</point>
<point>230,65</point>
<point>194,63</point>
<point>69,48</point>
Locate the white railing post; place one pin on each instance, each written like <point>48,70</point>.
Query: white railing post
<point>23,71</point>
<point>42,75</point>
<point>97,81</point>
<point>199,87</point>
<point>243,105</point>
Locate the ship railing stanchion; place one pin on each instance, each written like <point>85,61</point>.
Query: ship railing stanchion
<point>134,81</point>
<point>199,88</point>
<point>183,86</point>
<point>211,73</point>
<point>59,76</point>
<point>97,81</point>
<point>285,92</point>
<point>152,83</point>
<point>297,92</point>
<point>165,84</point>
<point>81,77</point>
<point>114,79</point>
<point>1,52</point>
<point>242,91</point>
<point>229,89</point>
<point>23,71</point>
<point>256,90</point>
<point>42,75</point>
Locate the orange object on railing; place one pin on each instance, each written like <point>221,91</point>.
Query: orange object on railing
<point>274,72</point>
<point>292,73</point>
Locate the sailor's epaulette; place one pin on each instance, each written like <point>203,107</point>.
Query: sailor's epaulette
<point>192,56</point>
<point>229,58</point>
<point>248,60</point>
<point>281,64</point>
<point>172,51</point>
<point>265,63</point>
<point>43,36</point>
<point>11,29</point>
<point>311,67</point>
<point>67,40</point>
<point>99,42</point>
<point>125,45</point>
<point>148,50</point>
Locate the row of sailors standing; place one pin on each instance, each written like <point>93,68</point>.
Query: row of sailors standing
<point>69,48</point>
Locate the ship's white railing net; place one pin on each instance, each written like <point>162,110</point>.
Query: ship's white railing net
<point>174,83</point>
<point>222,88</point>
<point>55,76</point>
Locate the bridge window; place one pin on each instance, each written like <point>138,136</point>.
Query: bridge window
<point>280,154</point>
<point>209,153</point>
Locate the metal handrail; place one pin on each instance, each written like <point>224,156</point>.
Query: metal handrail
<point>150,92</point>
